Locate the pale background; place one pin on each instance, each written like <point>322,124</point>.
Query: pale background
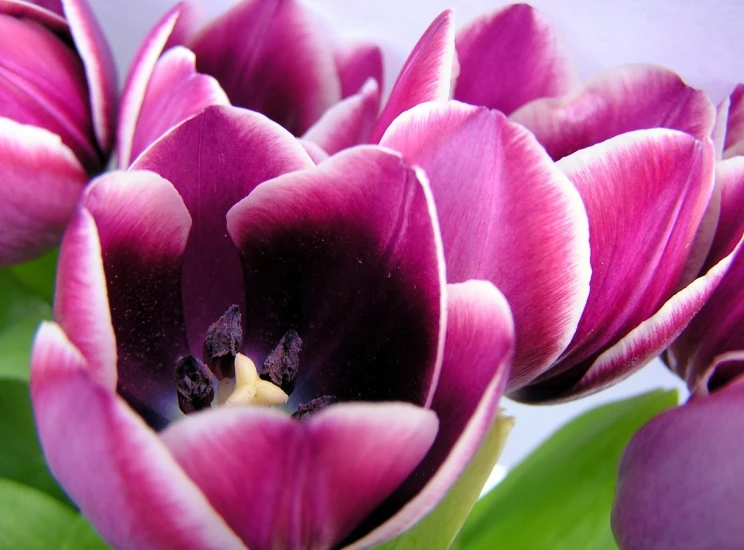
<point>703,40</point>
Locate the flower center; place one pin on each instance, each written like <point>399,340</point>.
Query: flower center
<point>230,378</point>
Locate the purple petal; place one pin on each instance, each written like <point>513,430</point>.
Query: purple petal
<point>54,6</point>
<point>48,15</point>
<point>356,64</point>
<point>41,183</point>
<point>348,255</point>
<point>122,477</point>
<point>494,185</point>
<point>162,109</point>
<point>734,144</point>
<point>143,226</point>
<point>190,19</point>
<point>280,483</point>
<point>214,160</point>
<point>349,122</point>
<point>681,479</point>
<point>633,97</point>
<point>510,57</point>
<point>315,151</point>
<point>477,358</point>
<point>426,75</point>
<point>274,57</point>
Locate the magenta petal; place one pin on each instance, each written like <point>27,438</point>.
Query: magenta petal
<point>122,477</point>
<point>426,75</point>
<point>280,483</point>
<point>734,144</point>
<point>162,109</point>
<point>510,57</point>
<point>349,122</point>
<point>633,97</point>
<point>274,57</point>
<point>41,183</point>
<point>356,63</point>
<point>332,252</point>
<point>214,160</point>
<point>47,14</point>
<point>681,479</point>
<point>493,185</point>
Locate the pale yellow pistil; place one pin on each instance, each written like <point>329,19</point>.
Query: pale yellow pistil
<point>252,390</point>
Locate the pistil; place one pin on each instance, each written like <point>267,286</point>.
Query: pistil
<point>252,390</point>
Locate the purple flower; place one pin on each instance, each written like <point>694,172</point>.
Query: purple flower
<point>57,110</point>
<point>226,253</point>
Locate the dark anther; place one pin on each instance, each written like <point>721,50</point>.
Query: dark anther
<point>281,365</point>
<point>222,343</point>
<point>306,410</point>
<point>193,384</point>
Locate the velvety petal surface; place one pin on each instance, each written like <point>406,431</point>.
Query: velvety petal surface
<point>162,109</point>
<point>48,14</point>
<point>356,63</point>
<point>349,122</point>
<point>348,255</point>
<point>478,353</point>
<point>32,159</point>
<point>214,160</point>
<point>633,97</point>
<point>494,185</point>
<point>143,226</point>
<point>280,483</point>
<point>274,57</point>
<point>510,57</point>
<point>426,75</point>
<point>681,479</point>
<point>734,144</point>
<point>111,464</point>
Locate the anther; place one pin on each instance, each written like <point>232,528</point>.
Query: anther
<point>222,343</point>
<point>193,384</point>
<point>281,366</point>
<point>306,410</point>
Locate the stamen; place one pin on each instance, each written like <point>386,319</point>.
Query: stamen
<point>222,343</point>
<point>250,389</point>
<point>193,384</point>
<point>306,410</point>
<point>281,366</point>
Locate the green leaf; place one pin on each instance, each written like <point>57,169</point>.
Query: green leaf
<point>16,340</point>
<point>560,497</point>
<point>31,520</point>
<point>37,276</point>
<point>82,536</point>
<point>438,528</point>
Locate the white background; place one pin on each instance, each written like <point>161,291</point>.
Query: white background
<point>703,40</point>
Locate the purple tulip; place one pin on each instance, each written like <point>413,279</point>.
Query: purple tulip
<point>57,110</point>
<point>226,253</point>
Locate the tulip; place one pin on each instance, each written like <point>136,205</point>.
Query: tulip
<point>56,119</point>
<point>225,279</point>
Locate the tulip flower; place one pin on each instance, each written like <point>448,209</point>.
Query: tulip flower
<point>56,119</point>
<point>252,351</point>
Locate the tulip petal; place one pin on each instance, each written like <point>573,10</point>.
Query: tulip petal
<point>356,63</point>
<point>426,75</point>
<point>117,471</point>
<point>280,483</point>
<point>734,144</point>
<point>32,159</point>
<point>99,68</point>
<point>633,97</point>
<point>214,160</point>
<point>162,109</point>
<point>348,255</point>
<point>271,56</point>
<point>510,57</point>
<point>494,185</point>
<point>349,122</point>
<point>681,479</point>
<point>143,227</point>
<point>48,15</point>
<point>477,358</point>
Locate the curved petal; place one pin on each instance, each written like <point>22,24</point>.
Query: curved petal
<point>681,478</point>
<point>143,226</point>
<point>349,122</point>
<point>190,19</point>
<point>214,160</point>
<point>494,185</point>
<point>47,15</point>
<point>510,57</point>
<point>356,64</point>
<point>115,468</point>
<point>41,183</point>
<point>477,358</point>
<point>633,97</point>
<point>348,255</point>
<point>426,75</point>
<point>734,144</point>
<point>272,56</point>
<point>99,67</point>
<point>315,151</point>
<point>280,483</point>
<point>162,109</point>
